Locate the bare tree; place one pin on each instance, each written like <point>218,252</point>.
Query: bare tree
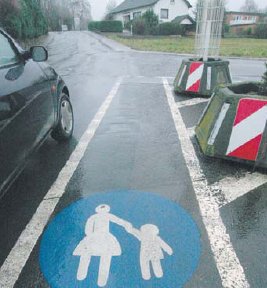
<point>249,6</point>
<point>112,4</point>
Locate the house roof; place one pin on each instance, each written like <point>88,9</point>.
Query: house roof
<point>181,18</point>
<point>132,4</point>
<point>246,13</point>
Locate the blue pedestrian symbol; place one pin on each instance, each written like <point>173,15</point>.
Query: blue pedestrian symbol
<point>120,239</point>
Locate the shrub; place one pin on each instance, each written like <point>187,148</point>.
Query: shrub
<point>171,29</point>
<point>151,22</point>
<point>139,26</point>
<point>27,21</point>
<point>147,24</point>
<point>226,28</point>
<point>261,31</point>
<point>263,88</point>
<point>9,18</point>
<point>94,26</point>
<point>111,26</point>
<point>106,26</point>
<point>32,19</point>
<point>249,31</point>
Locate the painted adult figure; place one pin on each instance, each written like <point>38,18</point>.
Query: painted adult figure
<point>99,242</point>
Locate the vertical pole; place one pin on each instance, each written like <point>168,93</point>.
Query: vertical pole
<point>209,24</point>
<point>207,40</point>
<point>203,28</point>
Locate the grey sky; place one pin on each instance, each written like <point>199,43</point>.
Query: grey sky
<point>99,6</point>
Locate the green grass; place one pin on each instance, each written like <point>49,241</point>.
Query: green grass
<point>240,47</point>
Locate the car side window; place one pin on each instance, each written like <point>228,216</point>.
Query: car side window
<point>7,54</point>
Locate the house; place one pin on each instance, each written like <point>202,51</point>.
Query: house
<point>242,22</point>
<point>167,10</point>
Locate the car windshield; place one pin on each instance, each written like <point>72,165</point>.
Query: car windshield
<point>7,54</point>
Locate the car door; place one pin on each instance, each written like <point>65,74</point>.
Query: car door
<point>26,108</point>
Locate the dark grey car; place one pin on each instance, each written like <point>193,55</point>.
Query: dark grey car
<point>34,103</point>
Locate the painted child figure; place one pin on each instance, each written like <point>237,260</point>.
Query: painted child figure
<point>152,247</point>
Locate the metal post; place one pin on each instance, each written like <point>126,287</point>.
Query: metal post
<point>209,27</point>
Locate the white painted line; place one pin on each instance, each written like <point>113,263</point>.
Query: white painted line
<point>233,188</point>
<point>191,102</point>
<point>191,131</point>
<point>17,258</point>
<point>169,77</point>
<point>229,267</point>
<point>150,77</point>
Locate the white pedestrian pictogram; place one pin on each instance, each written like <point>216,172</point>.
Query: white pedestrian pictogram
<point>101,243</point>
<point>152,247</point>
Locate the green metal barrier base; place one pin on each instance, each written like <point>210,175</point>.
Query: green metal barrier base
<point>233,126</point>
<point>199,78</point>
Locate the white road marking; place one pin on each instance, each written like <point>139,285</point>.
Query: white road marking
<point>167,77</point>
<point>191,102</point>
<point>229,267</point>
<point>17,258</point>
<point>191,131</point>
<point>150,77</point>
<point>229,188</point>
<point>95,244</point>
<point>233,188</point>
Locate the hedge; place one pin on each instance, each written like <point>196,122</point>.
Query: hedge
<point>139,26</point>
<point>164,29</point>
<point>261,31</point>
<point>263,88</point>
<point>106,26</point>
<point>151,22</point>
<point>171,29</point>
<point>148,24</point>
<point>24,22</point>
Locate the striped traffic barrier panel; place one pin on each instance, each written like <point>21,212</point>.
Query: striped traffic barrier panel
<point>233,126</point>
<point>248,128</point>
<point>199,78</point>
<point>194,77</point>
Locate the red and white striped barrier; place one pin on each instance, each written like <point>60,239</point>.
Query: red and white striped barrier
<point>248,129</point>
<point>194,79</point>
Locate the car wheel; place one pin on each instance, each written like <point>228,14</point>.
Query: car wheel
<point>64,129</point>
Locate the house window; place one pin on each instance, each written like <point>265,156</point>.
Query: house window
<point>164,13</point>
<point>172,1</point>
<point>137,15</point>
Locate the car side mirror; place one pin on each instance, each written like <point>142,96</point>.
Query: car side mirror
<point>39,53</point>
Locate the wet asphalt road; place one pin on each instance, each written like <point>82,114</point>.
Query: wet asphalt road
<point>135,148</point>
